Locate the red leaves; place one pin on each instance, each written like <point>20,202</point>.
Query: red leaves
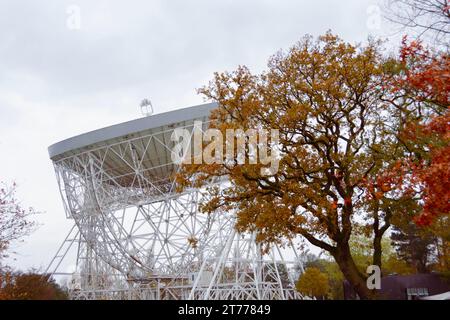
<point>386,181</point>
<point>426,174</point>
<point>435,178</point>
<point>426,76</point>
<point>432,173</point>
<point>412,49</point>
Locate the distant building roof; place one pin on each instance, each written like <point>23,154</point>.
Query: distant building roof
<point>399,287</point>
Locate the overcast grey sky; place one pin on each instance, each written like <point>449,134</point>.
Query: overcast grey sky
<point>58,80</point>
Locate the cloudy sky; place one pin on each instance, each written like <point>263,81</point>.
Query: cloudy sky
<point>67,67</point>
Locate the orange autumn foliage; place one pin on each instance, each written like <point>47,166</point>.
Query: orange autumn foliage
<point>432,175</point>
<point>324,98</point>
<point>426,80</point>
<point>426,75</point>
<point>29,286</point>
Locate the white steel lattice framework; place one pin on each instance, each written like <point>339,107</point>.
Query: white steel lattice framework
<point>136,238</point>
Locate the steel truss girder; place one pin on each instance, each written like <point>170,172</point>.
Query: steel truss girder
<point>136,238</point>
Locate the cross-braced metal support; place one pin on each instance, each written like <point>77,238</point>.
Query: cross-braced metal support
<point>136,238</point>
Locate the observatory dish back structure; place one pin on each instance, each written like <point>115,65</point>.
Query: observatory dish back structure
<point>135,237</point>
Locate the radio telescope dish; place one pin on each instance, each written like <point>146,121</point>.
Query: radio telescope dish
<point>135,237</point>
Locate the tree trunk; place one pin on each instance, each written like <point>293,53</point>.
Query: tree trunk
<point>377,250</point>
<point>351,273</point>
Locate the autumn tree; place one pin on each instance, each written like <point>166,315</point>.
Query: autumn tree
<point>29,286</point>
<point>313,283</point>
<point>414,246</point>
<point>440,229</point>
<point>421,90</point>
<point>328,267</point>
<point>337,135</point>
<point>15,221</point>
